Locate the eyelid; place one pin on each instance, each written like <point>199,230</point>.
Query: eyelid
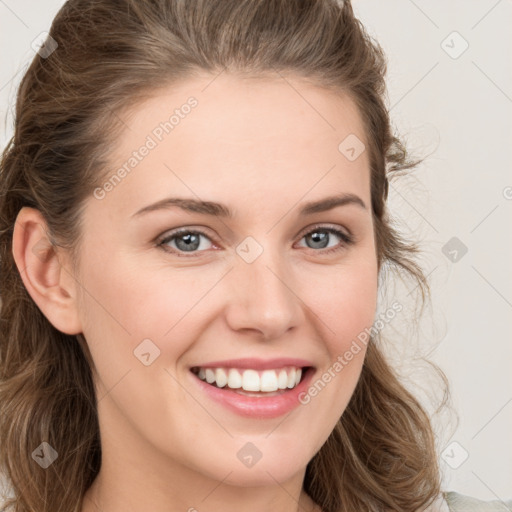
<point>185,229</point>
<point>326,226</point>
<point>204,230</point>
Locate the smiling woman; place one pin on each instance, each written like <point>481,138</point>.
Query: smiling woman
<point>189,294</point>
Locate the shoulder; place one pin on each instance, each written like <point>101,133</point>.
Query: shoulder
<point>455,502</point>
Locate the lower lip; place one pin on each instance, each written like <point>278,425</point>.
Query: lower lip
<point>255,406</point>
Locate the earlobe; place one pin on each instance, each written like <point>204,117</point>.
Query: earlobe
<point>43,271</point>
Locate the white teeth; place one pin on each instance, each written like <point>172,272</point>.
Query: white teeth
<point>234,379</point>
<point>252,380</point>
<point>291,378</point>
<point>221,377</point>
<point>268,381</point>
<point>282,380</point>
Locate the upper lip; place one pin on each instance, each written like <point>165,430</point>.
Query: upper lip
<point>256,364</point>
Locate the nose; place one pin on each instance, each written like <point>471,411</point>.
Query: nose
<point>263,297</point>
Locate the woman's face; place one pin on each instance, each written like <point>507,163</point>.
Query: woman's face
<point>248,297</point>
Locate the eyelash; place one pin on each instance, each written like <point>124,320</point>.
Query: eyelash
<point>346,238</point>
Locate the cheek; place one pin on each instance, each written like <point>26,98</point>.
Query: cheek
<point>347,307</point>
<point>133,317</point>
<point>134,300</point>
<point>123,307</point>
<point>347,312</point>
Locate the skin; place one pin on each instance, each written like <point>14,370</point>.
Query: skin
<point>264,150</point>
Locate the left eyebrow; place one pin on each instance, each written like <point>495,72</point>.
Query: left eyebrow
<point>331,202</point>
<point>221,210</point>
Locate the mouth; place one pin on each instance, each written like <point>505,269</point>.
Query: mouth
<point>251,381</point>
<point>253,387</point>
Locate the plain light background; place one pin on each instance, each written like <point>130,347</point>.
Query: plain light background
<point>450,95</point>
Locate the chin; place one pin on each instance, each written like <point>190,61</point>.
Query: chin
<point>264,475</point>
<point>251,467</point>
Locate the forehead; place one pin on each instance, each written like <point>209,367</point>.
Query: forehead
<point>231,133</point>
<point>246,108</point>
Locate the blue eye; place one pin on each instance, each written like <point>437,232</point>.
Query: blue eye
<point>185,240</point>
<point>321,237</point>
<point>189,241</point>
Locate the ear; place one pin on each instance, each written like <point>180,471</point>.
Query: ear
<point>45,271</point>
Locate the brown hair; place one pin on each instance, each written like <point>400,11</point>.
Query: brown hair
<point>111,53</point>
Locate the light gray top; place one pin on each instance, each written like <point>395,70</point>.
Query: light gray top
<point>455,502</point>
